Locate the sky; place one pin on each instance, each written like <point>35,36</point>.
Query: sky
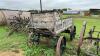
<point>49,4</point>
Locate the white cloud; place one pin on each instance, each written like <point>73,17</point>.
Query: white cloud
<point>49,4</point>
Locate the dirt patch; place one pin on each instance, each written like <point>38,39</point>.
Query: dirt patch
<point>12,53</point>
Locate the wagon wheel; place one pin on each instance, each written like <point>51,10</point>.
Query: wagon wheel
<point>81,38</point>
<point>61,44</point>
<point>29,41</point>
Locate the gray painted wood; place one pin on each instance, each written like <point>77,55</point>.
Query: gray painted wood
<point>50,21</point>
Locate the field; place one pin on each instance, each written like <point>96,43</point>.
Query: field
<point>17,43</point>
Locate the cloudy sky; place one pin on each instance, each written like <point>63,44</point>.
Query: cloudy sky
<point>49,4</point>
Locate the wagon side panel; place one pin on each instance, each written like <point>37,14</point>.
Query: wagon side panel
<point>62,25</point>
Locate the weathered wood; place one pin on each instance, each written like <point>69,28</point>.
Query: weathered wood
<point>81,38</point>
<point>62,25</point>
<point>50,21</point>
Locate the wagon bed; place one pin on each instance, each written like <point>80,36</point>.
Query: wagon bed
<point>50,21</point>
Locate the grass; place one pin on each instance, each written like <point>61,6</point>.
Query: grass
<point>15,40</point>
<point>90,23</point>
<point>19,40</point>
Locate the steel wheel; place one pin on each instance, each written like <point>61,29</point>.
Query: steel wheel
<point>61,44</point>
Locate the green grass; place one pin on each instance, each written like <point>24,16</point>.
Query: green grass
<point>14,41</point>
<point>19,40</point>
<point>90,23</point>
<point>65,16</point>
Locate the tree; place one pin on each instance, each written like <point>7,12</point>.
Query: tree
<point>65,9</point>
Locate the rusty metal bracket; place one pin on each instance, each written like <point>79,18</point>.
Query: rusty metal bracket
<point>90,37</point>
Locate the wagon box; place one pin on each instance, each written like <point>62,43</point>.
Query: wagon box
<point>50,21</point>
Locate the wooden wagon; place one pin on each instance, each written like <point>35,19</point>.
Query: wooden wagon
<point>49,25</point>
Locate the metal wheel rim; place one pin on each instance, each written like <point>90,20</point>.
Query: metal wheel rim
<point>59,46</point>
